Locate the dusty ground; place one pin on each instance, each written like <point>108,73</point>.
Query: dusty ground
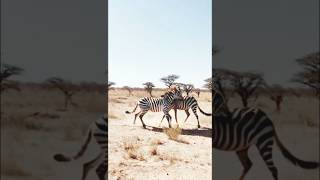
<point>29,141</point>
<point>137,153</point>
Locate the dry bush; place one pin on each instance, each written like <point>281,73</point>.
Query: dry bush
<point>173,134</point>
<point>154,151</point>
<point>169,157</point>
<point>132,151</point>
<point>13,169</point>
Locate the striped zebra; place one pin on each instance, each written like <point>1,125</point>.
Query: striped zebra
<point>185,104</point>
<point>98,130</point>
<point>244,127</point>
<point>156,105</point>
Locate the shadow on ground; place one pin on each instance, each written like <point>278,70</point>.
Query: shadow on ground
<point>204,132</point>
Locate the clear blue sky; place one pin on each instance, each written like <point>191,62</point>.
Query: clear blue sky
<point>152,39</point>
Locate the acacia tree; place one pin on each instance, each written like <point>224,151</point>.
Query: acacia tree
<point>188,88</point>
<point>6,72</point>
<point>129,89</point>
<point>309,76</point>
<point>148,86</point>
<point>169,80</point>
<point>208,83</point>
<point>245,84</point>
<point>66,87</point>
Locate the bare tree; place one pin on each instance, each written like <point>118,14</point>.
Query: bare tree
<point>148,86</point>
<point>245,84</point>
<point>169,80</point>
<point>129,89</point>
<point>309,76</point>
<point>6,72</point>
<point>66,87</point>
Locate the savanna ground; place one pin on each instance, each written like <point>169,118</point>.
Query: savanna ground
<point>137,153</point>
<point>33,128</point>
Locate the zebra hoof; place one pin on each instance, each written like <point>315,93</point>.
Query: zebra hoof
<point>199,126</point>
<point>144,126</point>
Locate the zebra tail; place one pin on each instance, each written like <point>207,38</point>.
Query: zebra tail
<point>132,110</point>
<point>207,114</point>
<point>63,158</point>
<point>293,159</point>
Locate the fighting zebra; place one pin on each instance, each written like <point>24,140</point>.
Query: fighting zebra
<point>98,130</point>
<point>244,127</point>
<point>185,104</point>
<point>156,105</point>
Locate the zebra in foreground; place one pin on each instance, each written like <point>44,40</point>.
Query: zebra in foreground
<point>185,104</point>
<point>244,127</point>
<point>98,130</point>
<point>156,105</point>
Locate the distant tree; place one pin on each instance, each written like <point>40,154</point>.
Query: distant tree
<point>148,86</point>
<point>208,83</point>
<point>129,89</point>
<point>6,72</point>
<point>276,94</point>
<point>309,76</point>
<point>188,88</point>
<point>197,91</point>
<point>169,80</point>
<point>66,87</point>
<point>245,84</point>
<point>110,84</point>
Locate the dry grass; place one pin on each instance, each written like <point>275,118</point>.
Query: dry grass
<point>174,133</point>
<point>154,151</point>
<point>169,157</point>
<point>132,150</point>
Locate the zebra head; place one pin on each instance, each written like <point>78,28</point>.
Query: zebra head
<point>173,94</point>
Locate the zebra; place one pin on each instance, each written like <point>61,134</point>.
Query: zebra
<point>156,104</point>
<point>99,130</point>
<point>245,127</point>
<point>185,104</point>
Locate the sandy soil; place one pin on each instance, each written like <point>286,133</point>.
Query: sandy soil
<point>158,157</point>
<point>29,142</point>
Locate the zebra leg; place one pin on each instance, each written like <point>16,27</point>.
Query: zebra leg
<point>168,119</point>
<point>101,171</point>
<point>188,114</point>
<point>245,161</point>
<point>140,116</point>
<point>161,120</point>
<point>175,116</point>
<point>195,113</point>
<point>89,165</point>
<point>265,150</point>
<point>135,117</point>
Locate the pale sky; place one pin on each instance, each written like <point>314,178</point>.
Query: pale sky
<point>149,39</point>
<point>152,39</point>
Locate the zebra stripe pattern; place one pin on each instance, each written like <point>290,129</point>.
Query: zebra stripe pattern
<point>99,130</point>
<point>156,105</point>
<point>244,127</point>
<point>185,104</point>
